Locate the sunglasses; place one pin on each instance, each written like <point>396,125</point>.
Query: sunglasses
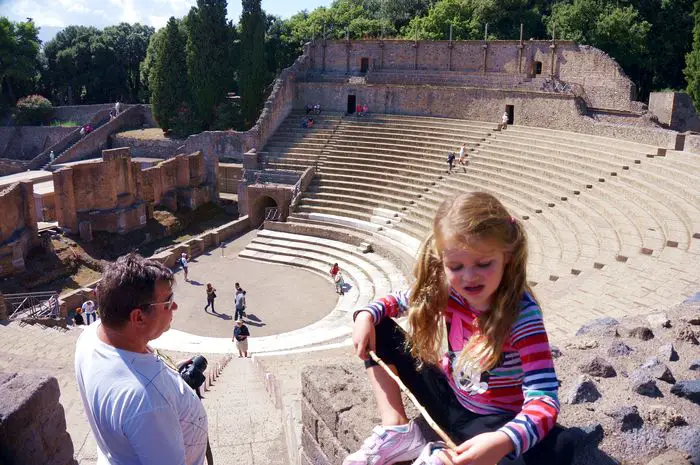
<point>168,304</point>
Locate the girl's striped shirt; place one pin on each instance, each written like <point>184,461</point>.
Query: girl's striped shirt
<point>523,383</point>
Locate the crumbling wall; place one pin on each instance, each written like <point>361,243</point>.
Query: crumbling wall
<point>18,228</point>
<point>32,421</point>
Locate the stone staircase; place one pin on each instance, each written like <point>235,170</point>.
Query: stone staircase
<point>603,216</point>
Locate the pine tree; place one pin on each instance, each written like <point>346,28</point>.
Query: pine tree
<point>252,64</point>
<point>210,66</point>
<point>169,91</point>
<point>692,60</point>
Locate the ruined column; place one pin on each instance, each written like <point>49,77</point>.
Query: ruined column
<point>520,51</point>
<point>66,213</point>
<point>30,218</point>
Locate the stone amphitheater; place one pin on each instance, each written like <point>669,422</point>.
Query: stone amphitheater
<point>609,196</point>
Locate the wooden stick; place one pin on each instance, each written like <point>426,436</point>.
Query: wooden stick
<point>415,402</point>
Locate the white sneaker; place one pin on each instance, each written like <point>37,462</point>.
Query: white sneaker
<point>387,446</point>
<point>429,454</point>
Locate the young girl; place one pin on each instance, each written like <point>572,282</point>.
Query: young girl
<point>494,391</point>
<point>211,295</point>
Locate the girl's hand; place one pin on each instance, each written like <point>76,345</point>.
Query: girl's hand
<point>363,336</point>
<point>483,449</point>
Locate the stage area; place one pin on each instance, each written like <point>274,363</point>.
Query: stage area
<point>279,298</point>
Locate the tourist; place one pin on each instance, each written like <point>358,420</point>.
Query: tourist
<point>240,303</point>
<point>211,295</point>
<point>78,317</point>
<point>184,264</point>
<point>471,279</point>
<point>317,109</point>
<point>90,311</point>
<point>52,157</point>
<point>504,121</point>
<point>192,372</point>
<point>335,269</point>
<point>238,287</point>
<point>88,128</point>
<point>450,161</point>
<point>82,131</point>
<point>112,115</point>
<point>117,107</point>
<point>139,408</point>
<point>339,283</point>
<point>309,122</point>
<point>365,109</point>
<point>240,337</point>
<point>308,108</point>
<point>358,109</point>
<point>463,155</point>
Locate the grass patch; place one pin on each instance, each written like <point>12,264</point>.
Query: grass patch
<point>65,124</point>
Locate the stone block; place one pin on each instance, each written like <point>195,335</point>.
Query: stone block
<point>312,450</point>
<point>26,401</point>
<point>309,419</point>
<point>51,429</point>
<point>331,447</point>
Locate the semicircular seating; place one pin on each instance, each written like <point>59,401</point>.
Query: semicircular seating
<point>608,220</point>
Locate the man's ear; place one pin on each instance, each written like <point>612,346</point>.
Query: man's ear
<point>137,316</point>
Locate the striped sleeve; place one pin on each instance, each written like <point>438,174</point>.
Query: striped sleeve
<point>394,304</point>
<point>540,385</point>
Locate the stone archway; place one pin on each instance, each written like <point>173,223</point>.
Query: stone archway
<point>260,208</point>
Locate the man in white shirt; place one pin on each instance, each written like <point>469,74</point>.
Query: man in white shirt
<point>139,409</point>
<point>89,311</point>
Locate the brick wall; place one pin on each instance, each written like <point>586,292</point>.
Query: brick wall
<point>147,148</point>
<point>32,421</point>
<point>18,228</point>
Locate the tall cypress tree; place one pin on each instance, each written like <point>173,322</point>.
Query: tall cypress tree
<point>692,60</point>
<point>169,91</point>
<point>209,56</point>
<point>252,63</point>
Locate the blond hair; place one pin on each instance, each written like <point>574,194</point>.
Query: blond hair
<point>463,219</point>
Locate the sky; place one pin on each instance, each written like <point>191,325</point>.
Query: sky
<point>53,15</point>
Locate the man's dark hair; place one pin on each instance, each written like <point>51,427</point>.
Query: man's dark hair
<point>126,284</point>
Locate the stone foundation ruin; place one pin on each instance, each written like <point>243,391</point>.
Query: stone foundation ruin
<point>18,228</point>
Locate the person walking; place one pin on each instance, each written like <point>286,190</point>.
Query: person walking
<point>184,264</point>
<point>240,303</point>
<point>240,337</point>
<point>211,295</point>
<point>450,161</point>
<point>139,408</point>
<point>504,121</point>
<point>90,311</point>
<point>339,283</point>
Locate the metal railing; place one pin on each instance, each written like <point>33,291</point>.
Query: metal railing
<point>273,214</point>
<point>32,305</point>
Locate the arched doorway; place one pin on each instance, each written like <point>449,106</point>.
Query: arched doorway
<point>265,208</point>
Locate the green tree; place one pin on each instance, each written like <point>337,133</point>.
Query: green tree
<point>210,65</point>
<point>19,59</point>
<point>129,44</point>
<point>169,91</point>
<point>252,65</point>
<point>692,60</point>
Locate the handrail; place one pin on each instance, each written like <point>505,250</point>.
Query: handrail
<point>32,305</point>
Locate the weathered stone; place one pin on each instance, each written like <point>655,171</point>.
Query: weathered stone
<point>556,352</point>
<point>695,366</point>
<point>688,390</point>
<point>642,332</point>
<point>598,326</point>
<point>687,439</point>
<point>659,320</point>
<point>668,353</point>
<point>584,391</point>
<point>658,370</point>
<point>694,320</point>
<point>598,366</point>
<point>686,334</point>
<point>592,433</point>
<point>664,417</point>
<point>671,457</point>
<point>627,418</point>
<point>642,382</point>
<point>583,344</point>
<point>618,349</point>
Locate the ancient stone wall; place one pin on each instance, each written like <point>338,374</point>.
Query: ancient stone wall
<point>32,421</point>
<point>18,228</point>
<point>541,109</point>
<point>26,142</point>
<point>83,113</point>
<point>674,110</point>
<point>229,176</point>
<point>99,139</point>
<point>102,194</point>
<point>605,82</point>
<point>162,148</point>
